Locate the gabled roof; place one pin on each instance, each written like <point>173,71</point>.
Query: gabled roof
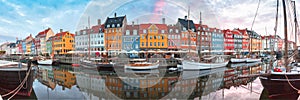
<point>96,29</point>
<point>131,28</point>
<point>43,33</point>
<point>187,23</point>
<point>114,21</point>
<point>58,35</point>
<point>159,26</point>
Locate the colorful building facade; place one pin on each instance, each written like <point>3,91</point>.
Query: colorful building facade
<point>40,40</point>
<point>129,37</point>
<point>63,42</point>
<point>114,29</point>
<point>174,37</point>
<point>228,41</point>
<point>153,36</point>
<point>188,33</point>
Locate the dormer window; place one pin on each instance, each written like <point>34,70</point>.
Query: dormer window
<point>113,25</point>
<point>118,25</point>
<point>163,31</point>
<point>184,29</point>
<point>177,31</point>
<point>107,25</point>
<point>144,31</point>
<point>127,32</point>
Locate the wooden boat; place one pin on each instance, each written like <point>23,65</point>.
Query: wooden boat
<point>141,64</point>
<point>253,59</point>
<point>45,62</point>
<point>12,74</point>
<point>283,83</point>
<point>194,65</point>
<point>238,60</point>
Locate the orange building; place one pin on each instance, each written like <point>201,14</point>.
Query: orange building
<point>114,29</point>
<point>63,42</point>
<point>155,35</point>
<point>188,33</point>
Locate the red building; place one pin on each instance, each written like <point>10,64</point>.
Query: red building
<point>174,37</point>
<point>245,42</point>
<point>228,41</point>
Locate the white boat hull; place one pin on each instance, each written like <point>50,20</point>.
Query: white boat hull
<point>238,60</point>
<point>151,66</point>
<point>253,60</point>
<point>45,62</point>
<point>189,65</point>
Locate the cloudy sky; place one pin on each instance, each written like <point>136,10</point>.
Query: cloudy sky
<point>19,18</point>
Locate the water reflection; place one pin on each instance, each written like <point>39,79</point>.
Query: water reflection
<point>66,82</point>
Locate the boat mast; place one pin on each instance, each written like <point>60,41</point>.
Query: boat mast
<point>188,29</point>
<point>200,44</point>
<point>89,32</point>
<point>296,24</point>
<point>286,37</point>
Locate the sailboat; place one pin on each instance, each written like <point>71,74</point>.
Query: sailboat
<point>208,62</point>
<point>142,64</point>
<point>283,82</point>
<point>95,63</point>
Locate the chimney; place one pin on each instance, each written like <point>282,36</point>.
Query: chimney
<point>185,17</point>
<point>163,20</point>
<point>115,15</point>
<point>61,30</point>
<point>99,21</point>
<point>132,23</point>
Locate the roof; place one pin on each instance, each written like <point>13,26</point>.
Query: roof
<point>43,33</point>
<point>173,27</point>
<point>131,28</point>
<point>114,21</point>
<point>236,32</point>
<point>61,34</point>
<point>187,23</point>
<point>95,29</point>
<point>159,26</point>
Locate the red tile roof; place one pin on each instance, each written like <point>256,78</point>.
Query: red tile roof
<point>97,27</point>
<point>58,35</point>
<point>43,32</point>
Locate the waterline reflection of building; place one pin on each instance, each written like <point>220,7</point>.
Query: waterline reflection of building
<point>52,76</point>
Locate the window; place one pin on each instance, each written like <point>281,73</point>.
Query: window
<point>154,43</point>
<point>134,32</point>
<point>142,43</point>
<point>162,31</point>
<point>113,25</point>
<point>145,31</point>
<point>127,32</point>
<point>177,31</point>
<point>162,44</point>
<point>150,43</point>
<point>162,37</point>
<point>158,43</point>
<point>150,37</point>
<point>171,30</point>
<point>118,25</point>
<point>154,37</point>
<point>107,25</point>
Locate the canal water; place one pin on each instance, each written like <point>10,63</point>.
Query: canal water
<point>67,82</point>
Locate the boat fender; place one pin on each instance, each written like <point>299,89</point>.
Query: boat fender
<point>277,70</point>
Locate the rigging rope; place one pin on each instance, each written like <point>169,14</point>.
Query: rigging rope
<point>255,15</point>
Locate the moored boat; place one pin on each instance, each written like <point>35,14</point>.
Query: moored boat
<point>12,75</point>
<point>140,64</point>
<point>216,63</point>
<point>253,59</point>
<point>238,60</point>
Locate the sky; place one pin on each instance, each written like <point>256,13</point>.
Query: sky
<point>19,18</point>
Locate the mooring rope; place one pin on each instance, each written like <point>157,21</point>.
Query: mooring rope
<point>291,84</point>
<point>16,90</point>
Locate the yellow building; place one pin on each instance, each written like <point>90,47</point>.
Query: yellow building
<point>28,42</point>
<point>155,35</point>
<point>63,42</point>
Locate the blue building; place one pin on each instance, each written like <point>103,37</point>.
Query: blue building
<point>130,36</point>
<point>24,47</point>
<point>32,48</point>
<point>217,45</point>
